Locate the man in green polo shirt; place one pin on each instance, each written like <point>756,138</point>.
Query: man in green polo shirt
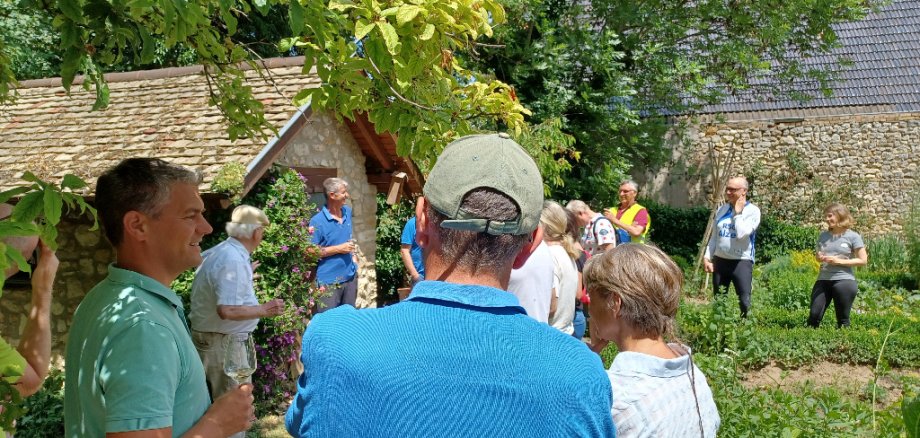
<point>27,365</point>
<point>132,369</point>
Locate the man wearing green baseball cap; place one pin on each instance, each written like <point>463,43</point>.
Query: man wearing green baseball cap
<point>459,357</point>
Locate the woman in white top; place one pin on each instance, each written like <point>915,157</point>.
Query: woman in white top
<point>657,390</point>
<point>565,275</point>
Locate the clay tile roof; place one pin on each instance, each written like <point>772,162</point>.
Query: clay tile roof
<point>884,49</point>
<point>162,113</point>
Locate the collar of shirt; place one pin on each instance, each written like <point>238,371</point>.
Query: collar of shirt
<point>238,246</point>
<point>630,362</point>
<point>466,294</point>
<point>328,215</point>
<point>131,278</point>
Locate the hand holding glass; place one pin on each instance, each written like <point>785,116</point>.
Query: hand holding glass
<point>239,356</point>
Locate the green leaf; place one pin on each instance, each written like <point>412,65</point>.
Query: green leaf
<point>29,207</point>
<point>12,193</point>
<point>148,46</point>
<point>71,9</point>
<point>304,96</point>
<point>427,33</point>
<point>53,206</point>
<point>406,14</point>
<point>13,254</point>
<point>17,229</point>
<point>72,182</point>
<point>102,93</point>
<point>362,28</point>
<point>910,408</point>
<point>390,38</point>
<point>296,12</point>
<point>341,5</point>
<point>262,6</point>
<point>49,236</point>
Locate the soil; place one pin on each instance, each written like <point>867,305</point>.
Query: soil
<point>850,379</point>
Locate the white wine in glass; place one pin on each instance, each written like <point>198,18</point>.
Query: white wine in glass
<point>239,356</point>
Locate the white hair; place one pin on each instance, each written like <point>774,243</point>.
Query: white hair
<point>629,182</point>
<point>242,231</point>
<point>577,206</point>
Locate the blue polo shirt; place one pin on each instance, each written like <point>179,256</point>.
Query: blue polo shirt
<point>327,231</point>
<point>408,238</point>
<point>450,361</point>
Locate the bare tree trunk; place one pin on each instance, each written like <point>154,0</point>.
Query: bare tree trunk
<point>720,171</point>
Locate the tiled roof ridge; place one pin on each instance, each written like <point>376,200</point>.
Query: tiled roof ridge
<point>161,73</point>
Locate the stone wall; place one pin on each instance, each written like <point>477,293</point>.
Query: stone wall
<point>84,257</point>
<point>880,151</point>
<point>325,143</point>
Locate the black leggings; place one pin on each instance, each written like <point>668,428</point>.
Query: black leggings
<point>842,292</point>
<point>739,273</point>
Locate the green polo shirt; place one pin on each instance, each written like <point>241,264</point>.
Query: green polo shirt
<point>131,363</point>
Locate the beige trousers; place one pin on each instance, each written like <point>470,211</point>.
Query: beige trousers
<point>210,348</point>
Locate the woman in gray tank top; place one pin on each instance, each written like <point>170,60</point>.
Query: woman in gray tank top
<point>839,249</point>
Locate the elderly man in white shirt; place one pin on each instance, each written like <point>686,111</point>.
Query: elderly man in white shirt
<point>223,299</point>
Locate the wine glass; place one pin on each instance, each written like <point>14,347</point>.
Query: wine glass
<point>239,356</point>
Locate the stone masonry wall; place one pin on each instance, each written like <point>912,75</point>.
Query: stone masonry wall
<point>883,150</point>
<point>325,143</point>
<point>84,257</point>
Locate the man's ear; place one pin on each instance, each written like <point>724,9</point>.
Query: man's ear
<point>135,225</point>
<point>529,247</point>
<point>421,222</point>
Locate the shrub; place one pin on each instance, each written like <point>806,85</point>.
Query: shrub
<point>776,238</point>
<point>786,281</point>
<point>677,231</point>
<point>44,417</point>
<point>391,274</point>
<point>912,233</point>
<point>887,254</point>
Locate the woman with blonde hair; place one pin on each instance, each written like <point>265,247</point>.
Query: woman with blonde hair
<point>565,275</point>
<point>838,250</point>
<point>657,390</point>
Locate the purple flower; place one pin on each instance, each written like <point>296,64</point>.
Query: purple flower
<point>295,270</point>
<point>284,248</point>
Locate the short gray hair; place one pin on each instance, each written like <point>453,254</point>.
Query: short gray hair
<point>629,182</point>
<point>576,206</point>
<point>137,184</point>
<point>242,231</point>
<point>480,252</point>
<point>744,181</point>
<point>647,281</point>
<point>332,185</point>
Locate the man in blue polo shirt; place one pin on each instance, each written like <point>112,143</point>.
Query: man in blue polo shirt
<point>332,232</point>
<point>459,357</point>
<point>411,253</point>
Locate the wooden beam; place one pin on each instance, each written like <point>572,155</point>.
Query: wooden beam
<point>373,142</point>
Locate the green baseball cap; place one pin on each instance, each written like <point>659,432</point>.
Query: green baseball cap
<point>493,161</point>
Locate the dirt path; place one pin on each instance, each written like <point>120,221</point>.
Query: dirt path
<point>851,379</point>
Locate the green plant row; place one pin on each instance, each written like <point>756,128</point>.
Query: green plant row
<point>779,336</point>
<point>800,412</point>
